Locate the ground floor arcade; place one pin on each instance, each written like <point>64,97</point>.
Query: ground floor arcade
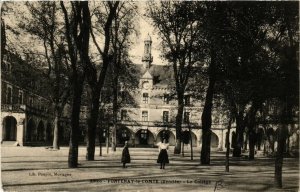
<point>29,129</point>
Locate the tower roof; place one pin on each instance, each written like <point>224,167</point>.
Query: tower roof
<point>148,38</point>
<point>147,75</point>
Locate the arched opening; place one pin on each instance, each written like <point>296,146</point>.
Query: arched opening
<point>166,134</point>
<point>270,144</point>
<point>123,134</point>
<point>41,131</point>
<point>194,139</point>
<point>186,136</point>
<point>30,130</point>
<point>259,138</point>
<point>214,140</point>
<point>144,137</point>
<point>233,139</point>
<point>49,133</point>
<point>9,129</point>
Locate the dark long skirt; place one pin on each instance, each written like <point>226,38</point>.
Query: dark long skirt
<point>125,156</point>
<point>163,156</point>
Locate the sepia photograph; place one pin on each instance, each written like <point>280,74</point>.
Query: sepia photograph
<point>149,96</point>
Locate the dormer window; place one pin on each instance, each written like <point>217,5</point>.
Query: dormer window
<point>187,99</point>
<point>186,117</point>
<point>8,67</point>
<point>166,98</point>
<point>31,101</point>
<point>9,95</point>
<point>21,96</point>
<point>124,116</point>
<point>145,98</point>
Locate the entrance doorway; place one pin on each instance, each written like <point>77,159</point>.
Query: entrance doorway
<point>144,137</point>
<point>9,130</point>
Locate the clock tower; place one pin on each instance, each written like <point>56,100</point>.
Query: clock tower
<point>146,81</point>
<point>147,57</point>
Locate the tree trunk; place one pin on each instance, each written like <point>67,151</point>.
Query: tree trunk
<point>246,141</point>
<point>206,124</point>
<point>279,156</point>
<point>92,125</point>
<point>237,150</point>
<point>227,146</point>
<point>115,109</point>
<point>55,132</point>
<point>182,150</point>
<point>192,155</point>
<point>252,137</point>
<point>76,103</point>
<point>177,149</point>
<point>100,147</point>
<point>107,141</point>
<point>206,114</point>
<point>251,127</point>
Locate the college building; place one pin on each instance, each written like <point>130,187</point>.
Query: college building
<point>146,116</point>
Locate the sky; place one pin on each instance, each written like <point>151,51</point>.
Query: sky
<point>137,50</point>
<point>145,27</point>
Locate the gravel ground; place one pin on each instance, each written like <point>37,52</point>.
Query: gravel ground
<point>41,169</point>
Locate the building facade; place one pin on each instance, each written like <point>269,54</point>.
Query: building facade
<point>146,116</point>
<point>26,111</point>
<point>150,115</point>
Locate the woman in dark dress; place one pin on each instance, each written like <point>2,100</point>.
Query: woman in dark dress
<point>125,155</point>
<point>163,157</point>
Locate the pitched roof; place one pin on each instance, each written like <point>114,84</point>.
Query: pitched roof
<point>147,75</point>
<point>162,75</point>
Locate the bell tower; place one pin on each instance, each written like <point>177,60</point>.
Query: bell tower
<point>147,57</point>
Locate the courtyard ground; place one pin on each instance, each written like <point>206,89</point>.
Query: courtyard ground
<point>40,169</point>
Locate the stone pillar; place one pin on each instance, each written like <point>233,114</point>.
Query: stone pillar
<point>20,132</point>
<point>221,141</point>
<point>2,131</point>
<point>199,138</point>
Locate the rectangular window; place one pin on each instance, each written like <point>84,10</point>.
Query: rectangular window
<point>124,116</point>
<point>101,114</point>
<point>187,99</point>
<point>145,97</point>
<point>166,116</point>
<point>30,101</point>
<point>123,95</point>
<point>186,117</point>
<point>8,67</point>
<point>9,95</point>
<point>21,96</point>
<point>144,115</point>
<point>166,98</point>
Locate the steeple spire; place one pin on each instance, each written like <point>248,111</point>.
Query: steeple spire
<point>147,57</point>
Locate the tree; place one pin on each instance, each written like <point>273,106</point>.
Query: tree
<point>3,39</point>
<point>96,77</point>
<point>44,25</point>
<point>77,25</point>
<point>287,89</point>
<point>179,29</point>
<point>246,62</point>
<point>123,28</point>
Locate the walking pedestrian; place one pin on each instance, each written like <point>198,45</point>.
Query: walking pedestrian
<point>125,155</point>
<point>163,157</point>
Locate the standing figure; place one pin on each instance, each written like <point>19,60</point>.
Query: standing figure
<point>125,155</point>
<point>163,157</point>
